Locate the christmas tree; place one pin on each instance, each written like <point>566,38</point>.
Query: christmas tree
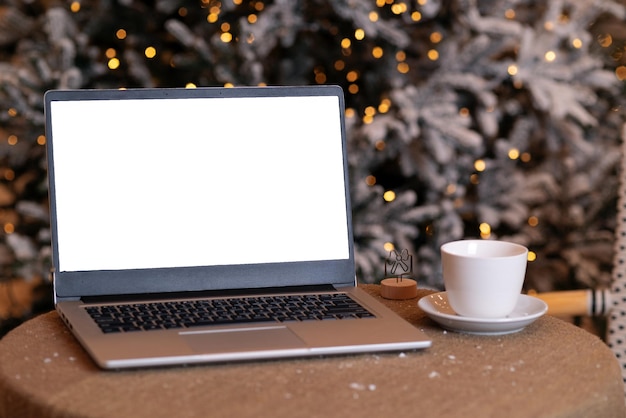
<point>495,119</point>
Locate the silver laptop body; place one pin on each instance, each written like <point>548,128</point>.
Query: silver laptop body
<point>163,195</point>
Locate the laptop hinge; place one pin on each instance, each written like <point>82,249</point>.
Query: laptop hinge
<point>205,293</point>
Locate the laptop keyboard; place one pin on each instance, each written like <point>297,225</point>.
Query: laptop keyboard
<point>195,313</point>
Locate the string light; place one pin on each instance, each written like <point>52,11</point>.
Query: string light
<point>550,56</point>
<point>9,174</point>
<point>389,247</point>
<point>513,154</point>
<point>389,196</point>
<point>485,230</point>
<point>532,256</point>
<point>368,118</point>
<point>398,8</point>
<point>480,165</point>
<point>320,77</point>
<point>113,64</point>
<point>533,221</point>
<point>436,37</point>
<point>150,52</point>
<point>370,180</point>
<point>212,17</point>
<point>384,106</point>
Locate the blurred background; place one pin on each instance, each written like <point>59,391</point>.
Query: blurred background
<point>498,119</point>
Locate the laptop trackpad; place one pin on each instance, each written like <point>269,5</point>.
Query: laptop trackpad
<point>243,339</point>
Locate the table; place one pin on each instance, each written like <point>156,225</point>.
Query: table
<point>550,369</point>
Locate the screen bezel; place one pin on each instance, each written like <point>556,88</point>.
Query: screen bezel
<point>216,277</point>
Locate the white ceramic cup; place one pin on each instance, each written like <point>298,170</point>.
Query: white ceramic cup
<point>483,279</point>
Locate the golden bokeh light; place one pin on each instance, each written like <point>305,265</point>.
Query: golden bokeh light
<point>113,64</point>
<point>150,52</point>
<point>389,196</point>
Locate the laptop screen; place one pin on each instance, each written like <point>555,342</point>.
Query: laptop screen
<point>148,183</point>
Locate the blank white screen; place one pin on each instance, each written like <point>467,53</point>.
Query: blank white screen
<point>194,182</point>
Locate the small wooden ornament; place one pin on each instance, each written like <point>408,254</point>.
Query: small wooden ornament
<point>398,289</point>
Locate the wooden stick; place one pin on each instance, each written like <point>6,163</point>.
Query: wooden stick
<point>585,302</point>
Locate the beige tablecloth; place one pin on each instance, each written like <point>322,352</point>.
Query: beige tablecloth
<point>550,369</point>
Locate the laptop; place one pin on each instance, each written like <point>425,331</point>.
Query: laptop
<point>166,204</point>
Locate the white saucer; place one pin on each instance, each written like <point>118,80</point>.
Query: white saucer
<point>527,310</point>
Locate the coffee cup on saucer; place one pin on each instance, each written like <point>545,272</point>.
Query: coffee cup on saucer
<point>483,278</point>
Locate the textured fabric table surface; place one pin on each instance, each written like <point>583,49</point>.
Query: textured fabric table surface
<point>550,369</point>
